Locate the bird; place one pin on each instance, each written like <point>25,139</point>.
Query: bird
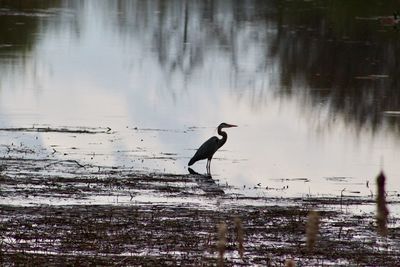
<point>209,147</point>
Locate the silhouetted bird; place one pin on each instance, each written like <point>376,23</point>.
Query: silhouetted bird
<point>207,150</point>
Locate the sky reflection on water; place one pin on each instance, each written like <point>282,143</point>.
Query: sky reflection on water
<point>295,87</point>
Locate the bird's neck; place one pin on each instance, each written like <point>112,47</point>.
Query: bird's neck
<point>224,137</point>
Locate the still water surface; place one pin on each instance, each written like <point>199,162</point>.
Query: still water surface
<point>314,87</point>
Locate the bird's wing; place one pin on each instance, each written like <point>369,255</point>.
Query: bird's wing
<point>206,150</point>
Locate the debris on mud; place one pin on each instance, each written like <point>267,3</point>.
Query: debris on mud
<point>68,212</point>
<point>77,130</point>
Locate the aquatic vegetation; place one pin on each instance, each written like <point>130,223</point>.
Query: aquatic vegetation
<point>222,231</point>
<point>382,210</point>
<point>239,231</point>
<point>312,229</point>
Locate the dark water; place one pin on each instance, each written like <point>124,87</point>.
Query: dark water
<point>313,85</point>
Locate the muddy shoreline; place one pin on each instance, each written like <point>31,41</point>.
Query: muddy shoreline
<point>56,211</point>
<point>150,233</point>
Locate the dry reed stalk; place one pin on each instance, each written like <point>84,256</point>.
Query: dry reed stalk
<point>382,210</point>
<point>239,236</point>
<point>222,230</point>
<point>312,229</point>
<point>290,263</point>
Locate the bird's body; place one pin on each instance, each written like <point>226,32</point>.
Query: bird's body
<point>207,150</point>
<point>209,147</point>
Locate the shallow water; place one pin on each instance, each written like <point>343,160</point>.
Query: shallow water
<point>313,86</point>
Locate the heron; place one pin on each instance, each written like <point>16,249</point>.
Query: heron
<point>209,147</point>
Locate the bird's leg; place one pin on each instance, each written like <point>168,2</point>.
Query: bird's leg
<point>208,166</point>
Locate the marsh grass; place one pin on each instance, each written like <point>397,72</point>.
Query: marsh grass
<point>290,263</point>
<point>221,245</point>
<point>382,209</point>
<point>239,233</point>
<point>312,229</point>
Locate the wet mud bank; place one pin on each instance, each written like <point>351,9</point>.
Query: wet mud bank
<point>63,211</point>
<point>184,235</point>
<point>161,219</point>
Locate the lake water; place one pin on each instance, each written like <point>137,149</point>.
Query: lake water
<point>314,87</point>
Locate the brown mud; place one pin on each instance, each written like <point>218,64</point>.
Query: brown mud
<point>66,212</point>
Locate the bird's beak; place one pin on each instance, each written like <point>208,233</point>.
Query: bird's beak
<point>232,125</point>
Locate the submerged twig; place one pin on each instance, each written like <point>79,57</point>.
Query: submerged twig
<point>341,198</point>
<point>68,160</point>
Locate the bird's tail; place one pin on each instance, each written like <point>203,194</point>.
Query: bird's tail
<point>191,161</point>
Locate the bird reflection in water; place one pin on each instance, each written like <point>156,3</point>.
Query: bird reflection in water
<point>209,147</point>
<point>206,183</point>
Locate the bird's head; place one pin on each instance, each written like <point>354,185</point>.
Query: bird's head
<point>226,125</point>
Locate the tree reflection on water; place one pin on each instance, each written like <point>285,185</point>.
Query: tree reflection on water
<point>333,53</point>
